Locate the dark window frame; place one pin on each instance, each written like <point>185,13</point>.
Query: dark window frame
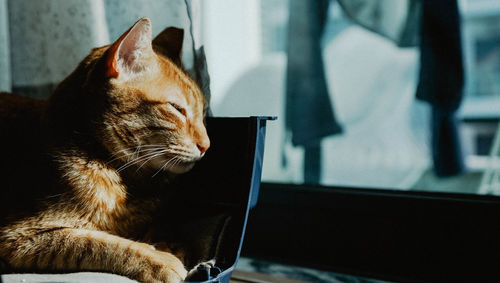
<point>394,235</point>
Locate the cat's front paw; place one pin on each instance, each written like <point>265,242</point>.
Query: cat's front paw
<point>164,267</point>
<point>202,271</point>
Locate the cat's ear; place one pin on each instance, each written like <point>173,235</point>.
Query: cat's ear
<point>129,53</point>
<point>169,43</point>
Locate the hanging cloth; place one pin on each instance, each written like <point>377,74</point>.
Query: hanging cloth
<point>308,109</point>
<point>434,26</point>
<point>309,113</point>
<point>441,81</point>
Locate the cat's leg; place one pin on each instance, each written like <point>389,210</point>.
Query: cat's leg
<point>67,249</point>
<point>176,249</point>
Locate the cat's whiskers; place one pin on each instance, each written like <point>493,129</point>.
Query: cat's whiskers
<point>123,152</point>
<point>138,149</point>
<point>183,151</point>
<point>153,145</point>
<point>186,155</point>
<point>139,159</point>
<point>134,154</point>
<point>176,161</point>
<point>164,165</point>
<point>154,156</point>
<point>135,161</point>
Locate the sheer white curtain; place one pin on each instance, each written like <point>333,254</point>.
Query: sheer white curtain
<point>42,41</point>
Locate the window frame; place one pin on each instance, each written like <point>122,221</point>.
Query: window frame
<point>377,233</point>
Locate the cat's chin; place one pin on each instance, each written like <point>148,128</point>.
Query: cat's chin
<point>180,168</point>
<point>175,168</point>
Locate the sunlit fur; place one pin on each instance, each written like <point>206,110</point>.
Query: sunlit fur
<point>78,169</point>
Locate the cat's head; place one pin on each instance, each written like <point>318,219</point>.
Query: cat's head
<point>154,115</point>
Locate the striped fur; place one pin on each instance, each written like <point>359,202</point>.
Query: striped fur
<point>84,164</point>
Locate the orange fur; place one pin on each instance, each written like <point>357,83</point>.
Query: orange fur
<point>77,171</point>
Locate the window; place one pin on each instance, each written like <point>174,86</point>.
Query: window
<point>372,85</point>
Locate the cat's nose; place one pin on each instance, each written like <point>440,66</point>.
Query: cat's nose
<point>203,145</point>
<point>202,149</point>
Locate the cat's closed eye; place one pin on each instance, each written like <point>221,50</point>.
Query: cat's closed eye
<point>179,108</point>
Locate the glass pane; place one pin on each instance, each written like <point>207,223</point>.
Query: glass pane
<point>386,139</point>
<point>480,110</point>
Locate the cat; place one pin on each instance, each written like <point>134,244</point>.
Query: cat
<point>82,173</point>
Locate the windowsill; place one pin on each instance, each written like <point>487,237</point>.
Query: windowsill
<point>257,270</point>
<point>383,234</point>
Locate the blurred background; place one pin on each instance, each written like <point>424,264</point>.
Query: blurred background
<point>386,138</point>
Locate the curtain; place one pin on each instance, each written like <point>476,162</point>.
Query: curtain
<point>42,41</point>
<point>309,111</point>
<point>433,26</point>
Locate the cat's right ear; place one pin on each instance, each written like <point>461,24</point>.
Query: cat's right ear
<point>169,44</point>
<point>129,53</point>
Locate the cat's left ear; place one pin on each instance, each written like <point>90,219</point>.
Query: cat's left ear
<point>128,54</point>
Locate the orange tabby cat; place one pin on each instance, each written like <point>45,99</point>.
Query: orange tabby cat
<point>126,113</point>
